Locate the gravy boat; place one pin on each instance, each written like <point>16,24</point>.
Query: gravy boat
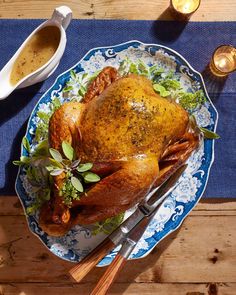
<point>61,18</point>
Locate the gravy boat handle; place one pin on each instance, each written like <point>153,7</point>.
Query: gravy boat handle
<point>62,15</point>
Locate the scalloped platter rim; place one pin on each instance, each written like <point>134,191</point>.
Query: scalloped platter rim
<point>79,241</point>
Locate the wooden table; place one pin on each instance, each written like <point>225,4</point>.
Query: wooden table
<point>198,259</point>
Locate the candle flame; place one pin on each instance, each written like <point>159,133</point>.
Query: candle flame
<point>185,6</point>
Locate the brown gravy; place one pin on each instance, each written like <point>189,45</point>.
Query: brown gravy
<point>37,51</point>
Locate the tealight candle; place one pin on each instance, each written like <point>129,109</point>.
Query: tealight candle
<point>223,60</point>
<point>184,8</point>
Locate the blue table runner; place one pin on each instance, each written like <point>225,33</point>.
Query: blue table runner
<point>194,40</point>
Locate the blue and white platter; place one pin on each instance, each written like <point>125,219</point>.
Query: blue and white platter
<point>79,241</point>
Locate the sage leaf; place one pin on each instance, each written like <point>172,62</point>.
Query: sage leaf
<point>55,163</point>
<point>56,155</point>
<point>68,150</point>
<point>75,164</point>
<point>26,143</point>
<point>91,177</point>
<point>209,134</point>
<point>84,167</point>
<point>56,172</point>
<point>50,168</point>
<point>77,184</point>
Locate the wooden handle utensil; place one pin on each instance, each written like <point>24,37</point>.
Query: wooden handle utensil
<point>109,276</point>
<point>79,271</point>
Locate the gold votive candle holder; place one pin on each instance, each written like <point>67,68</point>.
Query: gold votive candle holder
<point>223,60</point>
<point>183,9</point>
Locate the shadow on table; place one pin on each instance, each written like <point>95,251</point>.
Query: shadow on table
<point>213,83</point>
<point>167,31</point>
<point>17,101</point>
<point>166,15</point>
<point>10,169</point>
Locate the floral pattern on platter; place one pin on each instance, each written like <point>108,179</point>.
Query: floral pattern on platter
<point>79,241</point>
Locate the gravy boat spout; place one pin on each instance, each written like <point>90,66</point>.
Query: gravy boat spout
<point>52,30</point>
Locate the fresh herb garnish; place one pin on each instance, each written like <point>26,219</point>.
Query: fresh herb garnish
<point>161,89</point>
<point>90,177</point>
<point>133,69</point>
<point>77,184</point>
<point>67,88</point>
<point>76,175</point>
<point>44,163</point>
<point>209,134</point>
<point>26,144</point>
<point>143,69</point>
<point>69,192</point>
<point>68,150</point>
<point>164,83</point>
<point>73,74</point>
<point>84,167</point>
<point>56,155</point>
<point>190,101</point>
<point>168,86</point>
<point>41,131</point>
<point>109,225</point>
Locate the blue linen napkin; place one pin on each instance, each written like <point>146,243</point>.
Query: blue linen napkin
<point>194,40</point>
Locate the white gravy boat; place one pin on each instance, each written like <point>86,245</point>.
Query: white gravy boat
<point>61,18</point>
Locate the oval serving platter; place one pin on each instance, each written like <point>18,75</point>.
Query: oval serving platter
<point>79,241</point>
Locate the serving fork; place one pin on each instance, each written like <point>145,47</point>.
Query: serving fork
<point>127,234</point>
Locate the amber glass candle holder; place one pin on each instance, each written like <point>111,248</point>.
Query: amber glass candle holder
<point>223,60</point>
<point>183,9</point>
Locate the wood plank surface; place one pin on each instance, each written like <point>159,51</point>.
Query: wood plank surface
<point>209,10</point>
<point>202,251</point>
<point>119,288</point>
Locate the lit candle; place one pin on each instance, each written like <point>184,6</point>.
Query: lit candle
<point>184,8</point>
<point>223,60</point>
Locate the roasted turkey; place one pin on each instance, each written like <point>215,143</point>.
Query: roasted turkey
<point>133,137</point>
